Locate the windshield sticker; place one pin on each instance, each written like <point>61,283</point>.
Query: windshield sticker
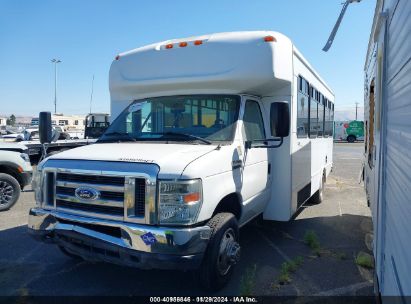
<point>136,106</point>
<point>148,238</point>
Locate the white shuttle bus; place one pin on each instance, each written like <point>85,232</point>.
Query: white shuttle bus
<point>208,133</point>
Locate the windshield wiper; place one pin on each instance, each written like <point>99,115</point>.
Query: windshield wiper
<point>126,136</point>
<point>186,135</point>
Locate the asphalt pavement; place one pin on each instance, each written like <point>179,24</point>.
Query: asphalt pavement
<point>276,259</point>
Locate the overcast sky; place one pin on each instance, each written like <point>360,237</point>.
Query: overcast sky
<point>86,36</point>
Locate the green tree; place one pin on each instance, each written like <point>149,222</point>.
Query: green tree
<point>11,121</point>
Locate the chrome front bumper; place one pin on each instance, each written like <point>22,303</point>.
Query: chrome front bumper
<point>122,243</point>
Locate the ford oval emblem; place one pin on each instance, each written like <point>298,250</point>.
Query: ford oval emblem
<point>86,193</point>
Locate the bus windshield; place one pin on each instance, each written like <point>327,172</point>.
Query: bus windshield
<point>191,118</point>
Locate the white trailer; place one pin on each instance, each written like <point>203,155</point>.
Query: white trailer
<point>387,156</point>
<point>209,133</point>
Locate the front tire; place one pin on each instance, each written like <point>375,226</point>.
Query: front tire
<point>351,139</point>
<point>9,191</point>
<point>222,253</point>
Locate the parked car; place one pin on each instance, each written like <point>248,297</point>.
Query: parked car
<point>9,135</point>
<point>96,125</point>
<point>15,174</point>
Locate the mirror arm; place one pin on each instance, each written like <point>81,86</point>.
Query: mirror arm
<point>249,143</point>
<point>280,140</point>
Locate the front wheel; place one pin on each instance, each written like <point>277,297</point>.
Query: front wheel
<point>222,253</point>
<point>351,139</point>
<point>9,191</point>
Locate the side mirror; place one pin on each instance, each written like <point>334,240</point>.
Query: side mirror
<point>280,119</point>
<point>45,132</point>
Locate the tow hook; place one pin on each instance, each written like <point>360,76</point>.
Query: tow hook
<point>233,252</point>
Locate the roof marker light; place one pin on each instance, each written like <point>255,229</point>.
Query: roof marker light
<point>117,57</point>
<point>169,46</point>
<point>198,42</point>
<point>270,39</point>
<point>183,44</point>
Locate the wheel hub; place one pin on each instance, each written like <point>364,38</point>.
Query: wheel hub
<point>6,192</point>
<point>233,252</point>
<point>229,253</point>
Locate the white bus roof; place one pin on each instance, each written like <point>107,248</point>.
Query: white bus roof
<point>230,63</point>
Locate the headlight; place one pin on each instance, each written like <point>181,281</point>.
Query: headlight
<point>36,183</point>
<point>25,157</point>
<point>179,201</point>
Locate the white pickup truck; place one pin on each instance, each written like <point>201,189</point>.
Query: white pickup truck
<point>200,145</point>
<point>15,173</point>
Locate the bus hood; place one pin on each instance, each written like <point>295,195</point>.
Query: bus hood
<point>171,158</point>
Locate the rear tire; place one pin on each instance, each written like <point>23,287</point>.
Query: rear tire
<point>351,139</point>
<point>9,191</point>
<point>318,197</point>
<point>223,251</point>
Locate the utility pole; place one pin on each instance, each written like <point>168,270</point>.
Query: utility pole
<point>91,96</point>
<point>55,61</point>
<point>356,110</point>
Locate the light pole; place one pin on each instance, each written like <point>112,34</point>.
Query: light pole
<point>55,61</point>
<point>337,25</point>
<point>92,89</point>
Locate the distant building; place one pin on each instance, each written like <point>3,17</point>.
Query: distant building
<point>3,121</point>
<point>23,121</point>
<point>71,122</point>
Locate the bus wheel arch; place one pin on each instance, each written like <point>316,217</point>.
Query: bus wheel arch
<point>230,203</point>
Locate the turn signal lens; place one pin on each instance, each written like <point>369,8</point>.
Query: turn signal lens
<point>198,42</point>
<point>270,39</point>
<point>192,197</point>
<point>169,46</point>
<point>183,44</point>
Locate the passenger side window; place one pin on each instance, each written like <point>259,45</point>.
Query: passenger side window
<point>253,121</point>
<point>321,107</point>
<point>302,108</point>
<point>314,115</point>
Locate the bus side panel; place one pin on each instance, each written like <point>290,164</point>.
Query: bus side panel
<point>301,172</point>
<point>321,159</point>
<point>279,205</point>
<point>310,156</point>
